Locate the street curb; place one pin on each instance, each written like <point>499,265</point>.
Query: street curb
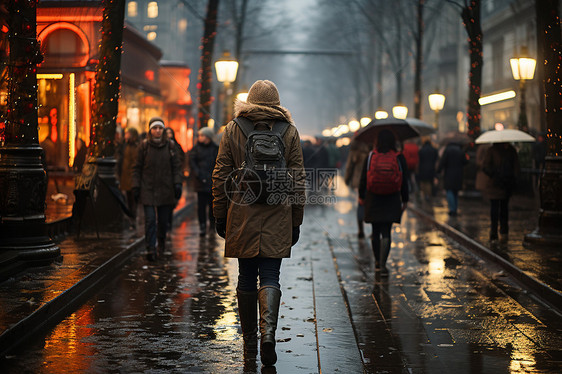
<point>551,297</point>
<point>55,310</point>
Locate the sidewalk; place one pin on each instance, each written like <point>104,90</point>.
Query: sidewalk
<point>538,268</point>
<point>40,297</point>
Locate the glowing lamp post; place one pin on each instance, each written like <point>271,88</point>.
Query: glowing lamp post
<point>523,69</point>
<point>381,114</point>
<point>354,125</point>
<point>400,111</point>
<point>436,103</point>
<point>226,68</point>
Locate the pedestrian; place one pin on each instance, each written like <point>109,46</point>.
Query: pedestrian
<point>501,164</point>
<point>383,206</point>
<point>125,164</point>
<point>452,163</point>
<point>80,155</point>
<point>156,184</point>
<point>202,162</point>
<point>426,169</point>
<point>481,178</point>
<point>260,235</point>
<point>177,147</point>
<point>354,166</point>
<point>410,150</point>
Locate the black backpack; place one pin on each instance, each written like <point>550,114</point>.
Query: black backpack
<point>263,176</point>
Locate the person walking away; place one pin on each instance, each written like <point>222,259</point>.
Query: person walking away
<point>501,164</point>
<point>354,166</point>
<point>202,162</point>
<point>125,164</point>
<point>259,234</point>
<point>80,156</point>
<point>177,147</point>
<point>384,192</point>
<point>156,184</point>
<point>410,150</point>
<point>452,163</point>
<point>426,169</point>
<point>481,178</point>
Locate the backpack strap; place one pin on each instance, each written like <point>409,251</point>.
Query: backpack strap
<point>280,127</point>
<point>245,125</point>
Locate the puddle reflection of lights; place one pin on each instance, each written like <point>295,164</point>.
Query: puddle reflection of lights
<point>343,207</point>
<point>341,222</point>
<point>521,361</point>
<point>340,188</point>
<point>436,266</point>
<point>225,327</point>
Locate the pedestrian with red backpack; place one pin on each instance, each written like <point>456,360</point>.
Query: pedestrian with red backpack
<point>383,191</point>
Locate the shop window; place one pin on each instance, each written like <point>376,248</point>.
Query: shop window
<point>132,9</point>
<point>152,9</point>
<point>63,47</point>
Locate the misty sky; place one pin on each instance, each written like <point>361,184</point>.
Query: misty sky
<point>299,85</point>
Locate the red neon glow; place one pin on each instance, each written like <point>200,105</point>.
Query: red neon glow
<point>72,27</point>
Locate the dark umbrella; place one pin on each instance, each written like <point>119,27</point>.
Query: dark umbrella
<point>400,128</point>
<point>460,138</point>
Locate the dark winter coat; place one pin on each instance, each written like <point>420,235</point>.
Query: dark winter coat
<point>127,163</point>
<point>202,160</point>
<point>384,208</point>
<point>256,229</point>
<point>497,157</point>
<point>156,171</point>
<point>452,163</point>
<point>428,162</point>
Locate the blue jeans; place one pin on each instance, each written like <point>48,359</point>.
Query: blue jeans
<point>268,270</point>
<point>453,200</point>
<point>156,221</point>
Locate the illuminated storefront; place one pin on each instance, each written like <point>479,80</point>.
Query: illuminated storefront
<point>69,38</point>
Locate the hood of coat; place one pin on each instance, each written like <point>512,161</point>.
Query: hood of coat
<point>255,112</point>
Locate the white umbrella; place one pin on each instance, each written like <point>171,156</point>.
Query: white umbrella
<point>504,136</point>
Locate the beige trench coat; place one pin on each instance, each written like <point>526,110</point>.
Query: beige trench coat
<point>256,229</point>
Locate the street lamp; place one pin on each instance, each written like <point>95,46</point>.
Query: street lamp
<point>523,69</point>
<point>400,111</point>
<point>365,121</point>
<point>226,68</point>
<point>436,103</point>
<point>354,125</point>
<point>381,114</point>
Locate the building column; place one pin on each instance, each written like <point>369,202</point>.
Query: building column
<point>23,181</point>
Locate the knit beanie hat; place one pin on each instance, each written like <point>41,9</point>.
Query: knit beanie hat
<point>156,121</point>
<point>207,131</point>
<point>263,92</point>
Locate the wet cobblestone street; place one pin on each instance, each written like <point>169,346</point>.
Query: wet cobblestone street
<point>441,310</point>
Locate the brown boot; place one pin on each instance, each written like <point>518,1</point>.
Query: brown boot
<point>269,298</point>
<point>248,312</point>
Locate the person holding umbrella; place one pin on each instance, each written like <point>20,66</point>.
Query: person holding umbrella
<point>383,205</point>
<point>501,165</point>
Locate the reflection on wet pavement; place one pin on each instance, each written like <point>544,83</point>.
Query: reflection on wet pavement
<point>439,311</point>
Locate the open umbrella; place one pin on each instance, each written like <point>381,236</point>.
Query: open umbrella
<point>422,127</point>
<point>400,127</point>
<point>504,136</point>
<point>455,137</point>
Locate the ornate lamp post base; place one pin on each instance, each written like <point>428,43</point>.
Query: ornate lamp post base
<point>24,240</point>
